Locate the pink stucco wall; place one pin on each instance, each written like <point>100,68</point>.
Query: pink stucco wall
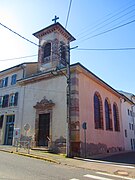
<point>98,141</point>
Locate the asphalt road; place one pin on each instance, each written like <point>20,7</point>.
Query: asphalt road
<point>127,158</point>
<point>16,167</point>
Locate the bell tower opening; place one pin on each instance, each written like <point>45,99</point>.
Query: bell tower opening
<point>54,42</point>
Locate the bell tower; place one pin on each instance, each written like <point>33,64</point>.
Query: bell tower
<point>54,42</point>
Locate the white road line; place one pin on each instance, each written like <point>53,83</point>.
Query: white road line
<point>73,179</point>
<point>131,167</point>
<point>127,178</point>
<point>110,163</point>
<point>97,177</point>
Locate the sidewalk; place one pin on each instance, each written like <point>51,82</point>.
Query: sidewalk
<point>111,168</point>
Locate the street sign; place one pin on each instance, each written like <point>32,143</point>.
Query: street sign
<point>84,125</point>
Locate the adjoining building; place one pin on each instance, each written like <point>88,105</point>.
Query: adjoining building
<point>36,94</point>
<point>128,119</point>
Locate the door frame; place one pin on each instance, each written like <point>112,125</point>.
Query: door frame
<point>7,128</point>
<point>48,130</point>
<point>38,112</point>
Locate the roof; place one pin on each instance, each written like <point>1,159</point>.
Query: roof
<point>97,78</point>
<point>54,27</point>
<point>19,65</point>
<point>42,74</point>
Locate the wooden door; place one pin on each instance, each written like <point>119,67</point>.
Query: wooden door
<point>44,129</point>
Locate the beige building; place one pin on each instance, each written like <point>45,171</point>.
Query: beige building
<point>11,99</point>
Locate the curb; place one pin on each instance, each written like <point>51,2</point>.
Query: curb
<point>37,157</point>
<point>8,151</point>
<point>31,156</point>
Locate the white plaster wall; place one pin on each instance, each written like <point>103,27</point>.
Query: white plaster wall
<point>53,89</point>
<point>9,90</point>
<point>126,119</point>
<point>17,110</point>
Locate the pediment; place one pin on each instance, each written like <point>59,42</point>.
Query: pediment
<point>44,104</point>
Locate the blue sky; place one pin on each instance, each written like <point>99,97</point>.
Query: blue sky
<point>87,18</point>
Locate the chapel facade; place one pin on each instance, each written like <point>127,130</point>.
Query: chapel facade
<point>36,94</point>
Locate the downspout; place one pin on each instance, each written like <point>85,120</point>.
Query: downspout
<point>23,75</point>
<point>122,127</point>
<point>132,109</point>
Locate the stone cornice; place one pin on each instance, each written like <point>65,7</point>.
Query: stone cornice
<point>54,27</point>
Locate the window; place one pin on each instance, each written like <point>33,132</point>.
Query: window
<point>13,99</point>
<point>13,79</point>
<point>16,99</point>
<point>128,112</point>
<point>1,121</point>
<point>116,117</point>
<point>134,143</point>
<point>98,111</point>
<point>130,126</point>
<point>5,82</point>
<point>47,53</point>
<point>108,119</point>
<point>0,83</point>
<point>1,101</point>
<point>125,133</point>
<point>5,101</point>
<point>63,55</point>
<point>131,143</point>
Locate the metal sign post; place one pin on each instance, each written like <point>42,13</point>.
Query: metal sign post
<point>84,126</point>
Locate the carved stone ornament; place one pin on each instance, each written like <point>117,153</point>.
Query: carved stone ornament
<point>44,104</point>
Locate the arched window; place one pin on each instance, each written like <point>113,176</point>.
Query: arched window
<point>47,53</point>
<point>116,117</point>
<point>98,111</point>
<point>108,119</point>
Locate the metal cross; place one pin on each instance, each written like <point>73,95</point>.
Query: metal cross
<point>55,19</point>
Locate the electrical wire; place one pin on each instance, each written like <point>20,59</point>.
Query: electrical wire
<point>109,30</point>
<point>18,34</point>
<point>108,23</point>
<point>105,49</point>
<point>104,20</point>
<point>68,13</point>
<point>11,59</point>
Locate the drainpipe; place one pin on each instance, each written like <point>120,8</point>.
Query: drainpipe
<point>23,68</point>
<point>121,116</point>
<point>133,141</point>
<point>132,109</point>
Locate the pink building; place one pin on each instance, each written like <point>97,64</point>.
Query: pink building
<point>98,107</point>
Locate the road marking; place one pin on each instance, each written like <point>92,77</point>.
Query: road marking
<point>126,166</point>
<point>74,179</point>
<point>110,163</point>
<point>97,177</point>
<point>115,176</point>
